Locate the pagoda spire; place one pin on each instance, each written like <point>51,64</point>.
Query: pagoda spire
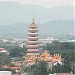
<point>33,21</point>
<point>33,39</point>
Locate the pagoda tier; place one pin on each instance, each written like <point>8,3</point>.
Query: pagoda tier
<point>33,51</point>
<point>33,46</point>
<point>33,34</point>
<point>33,40</point>
<point>33,30</point>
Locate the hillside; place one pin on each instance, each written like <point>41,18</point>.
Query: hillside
<point>20,30</point>
<point>12,12</point>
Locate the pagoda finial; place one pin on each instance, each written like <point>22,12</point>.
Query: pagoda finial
<point>33,15</point>
<point>33,20</point>
<point>33,12</point>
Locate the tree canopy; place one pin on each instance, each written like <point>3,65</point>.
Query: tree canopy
<point>17,52</point>
<point>4,59</point>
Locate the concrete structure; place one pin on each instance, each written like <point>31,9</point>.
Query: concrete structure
<point>5,73</point>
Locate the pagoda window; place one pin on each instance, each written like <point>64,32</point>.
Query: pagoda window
<point>33,28</point>
<point>33,32</point>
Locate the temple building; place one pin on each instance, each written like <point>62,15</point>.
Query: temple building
<point>33,40</point>
<point>33,52</point>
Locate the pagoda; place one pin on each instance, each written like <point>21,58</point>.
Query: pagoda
<point>33,39</point>
<point>33,52</point>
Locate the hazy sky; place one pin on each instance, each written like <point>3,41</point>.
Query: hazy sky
<point>45,3</point>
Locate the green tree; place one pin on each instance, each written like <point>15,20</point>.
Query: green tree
<point>25,69</point>
<point>4,59</point>
<point>67,65</point>
<point>57,68</point>
<point>39,68</point>
<point>11,64</point>
<point>17,52</point>
<point>66,45</point>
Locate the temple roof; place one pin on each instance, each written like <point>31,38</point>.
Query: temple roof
<point>29,51</point>
<point>33,24</point>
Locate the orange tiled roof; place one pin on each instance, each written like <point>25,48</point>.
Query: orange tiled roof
<point>15,74</point>
<point>1,49</point>
<point>33,51</point>
<point>5,66</point>
<point>43,57</point>
<point>33,24</point>
<point>15,67</point>
<point>64,74</point>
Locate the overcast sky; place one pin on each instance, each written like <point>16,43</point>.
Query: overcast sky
<point>45,3</point>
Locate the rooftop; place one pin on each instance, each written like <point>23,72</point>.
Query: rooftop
<point>33,24</point>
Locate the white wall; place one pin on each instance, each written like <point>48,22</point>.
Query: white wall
<point>5,73</point>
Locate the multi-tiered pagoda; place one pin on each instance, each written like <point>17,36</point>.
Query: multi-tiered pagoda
<point>33,40</point>
<point>33,52</point>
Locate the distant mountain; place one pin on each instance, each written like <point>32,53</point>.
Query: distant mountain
<point>58,27</point>
<point>15,19</point>
<point>12,12</point>
<point>51,28</point>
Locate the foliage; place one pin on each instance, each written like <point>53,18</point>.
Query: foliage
<point>57,68</point>
<point>24,68</point>
<point>39,68</point>
<point>67,51</point>
<point>11,64</point>
<point>2,69</point>
<point>64,48</point>
<point>4,59</point>
<point>17,52</point>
